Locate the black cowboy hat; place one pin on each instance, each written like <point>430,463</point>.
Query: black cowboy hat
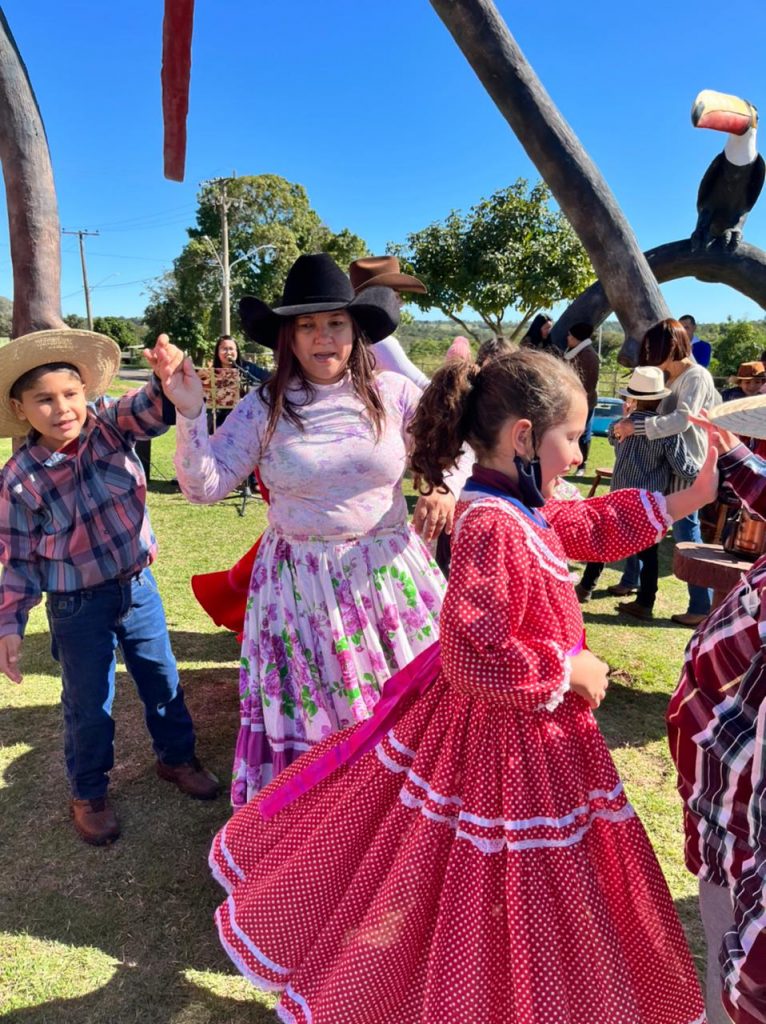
<point>316,284</point>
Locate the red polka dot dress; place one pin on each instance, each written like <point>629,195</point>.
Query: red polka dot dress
<point>480,865</point>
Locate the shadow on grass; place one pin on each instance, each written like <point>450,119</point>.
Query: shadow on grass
<point>616,619</point>
<point>630,716</point>
<point>146,902</point>
<point>216,647</point>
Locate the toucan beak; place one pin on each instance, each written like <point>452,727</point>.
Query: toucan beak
<point>723,113</point>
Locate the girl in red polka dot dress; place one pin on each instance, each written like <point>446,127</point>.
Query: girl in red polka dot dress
<point>468,855</point>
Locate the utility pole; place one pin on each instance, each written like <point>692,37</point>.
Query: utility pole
<point>81,235</point>
<point>224,202</point>
<point>225,293</point>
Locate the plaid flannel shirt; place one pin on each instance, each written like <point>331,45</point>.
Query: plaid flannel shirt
<point>717,732</point>
<point>74,520</point>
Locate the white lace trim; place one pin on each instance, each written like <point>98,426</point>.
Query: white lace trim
<point>547,559</point>
<point>661,528</point>
<point>561,690</point>
<point>448,810</point>
<point>226,854</point>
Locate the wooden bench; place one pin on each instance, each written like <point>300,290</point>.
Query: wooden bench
<point>603,476</point>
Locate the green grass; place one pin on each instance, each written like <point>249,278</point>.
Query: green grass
<point>125,934</point>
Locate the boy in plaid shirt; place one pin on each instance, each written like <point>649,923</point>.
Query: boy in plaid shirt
<point>73,525</point>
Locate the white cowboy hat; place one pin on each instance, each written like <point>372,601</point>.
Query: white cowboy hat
<point>96,358</point>
<point>646,384</point>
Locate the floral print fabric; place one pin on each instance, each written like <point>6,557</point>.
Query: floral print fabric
<point>326,624</point>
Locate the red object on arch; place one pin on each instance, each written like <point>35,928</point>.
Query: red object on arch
<point>176,76</point>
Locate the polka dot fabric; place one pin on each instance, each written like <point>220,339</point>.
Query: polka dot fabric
<point>482,865</point>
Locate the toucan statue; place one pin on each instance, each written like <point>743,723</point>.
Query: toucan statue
<point>733,181</point>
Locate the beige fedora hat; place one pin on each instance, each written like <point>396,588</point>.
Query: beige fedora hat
<point>96,357</point>
<point>646,383</point>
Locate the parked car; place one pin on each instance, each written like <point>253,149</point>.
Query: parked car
<point>607,411</point>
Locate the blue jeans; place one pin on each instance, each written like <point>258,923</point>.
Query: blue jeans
<point>86,627</point>
<point>688,528</point>
<point>585,438</point>
<point>631,574</point>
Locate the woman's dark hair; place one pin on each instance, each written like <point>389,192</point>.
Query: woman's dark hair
<point>216,357</point>
<point>492,348</point>
<point>467,404</point>
<point>666,340</point>
<point>30,378</point>
<point>533,338</point>
<point>274,391</point>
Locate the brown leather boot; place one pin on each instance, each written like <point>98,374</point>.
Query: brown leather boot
<point>191,778</point>
<point>636,610</point>
<point>95,821</point>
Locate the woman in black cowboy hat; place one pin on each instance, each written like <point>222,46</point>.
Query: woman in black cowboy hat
<point>342,592</point>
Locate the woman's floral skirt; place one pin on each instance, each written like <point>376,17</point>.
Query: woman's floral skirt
<point>327,623</point>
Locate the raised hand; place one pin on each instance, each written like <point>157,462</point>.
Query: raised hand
<point>723,439</point>
<point>702,491</point>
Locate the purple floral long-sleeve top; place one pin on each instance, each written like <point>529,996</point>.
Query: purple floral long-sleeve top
<point>331,480</point>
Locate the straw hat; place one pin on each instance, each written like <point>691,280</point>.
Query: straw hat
<point>745,416</point>
<point>96,357</point>
<point>646,384</point>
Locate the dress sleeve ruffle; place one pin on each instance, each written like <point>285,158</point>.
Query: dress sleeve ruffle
<point>485,650</point>
<point>609,527</point>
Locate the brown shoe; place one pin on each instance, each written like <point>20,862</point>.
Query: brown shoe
<point>688,619</point>
<point>95,821</point>
<point>636,610</point>
<point>191,778</point>
<point>583,595</point>
<point>617,590</point>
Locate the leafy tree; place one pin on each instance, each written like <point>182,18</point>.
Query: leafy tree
<point>739,341</point>
<point>6,317</point>
<point>120,328</point>
<point>271,222</point>
<point>509,252</point>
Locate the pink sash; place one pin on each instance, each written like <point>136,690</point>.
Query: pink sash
<point>411,681</point>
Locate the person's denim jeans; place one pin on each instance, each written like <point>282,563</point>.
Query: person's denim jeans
<point>688,529</point>
<point>86,627</point>
<point>631,574</point>
<point>585,438</point>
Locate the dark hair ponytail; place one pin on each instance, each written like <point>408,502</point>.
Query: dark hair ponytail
<point>464,404</point>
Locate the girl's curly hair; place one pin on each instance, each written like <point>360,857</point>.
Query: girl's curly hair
<point>466,404</point>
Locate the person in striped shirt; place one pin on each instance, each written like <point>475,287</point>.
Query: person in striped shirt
<point>73,525</point>
<point>717,732</point>
<point>642,462</point>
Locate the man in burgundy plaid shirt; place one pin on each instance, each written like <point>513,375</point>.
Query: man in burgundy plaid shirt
<point>717,732</point>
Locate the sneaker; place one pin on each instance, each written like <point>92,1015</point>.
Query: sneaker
<point>583,595</point>
<point>617,590</point>
<point>580,471</point>
<point>191,778</point>
<point>688,619</point>
<point>94,820</point>
<point>636,610</point>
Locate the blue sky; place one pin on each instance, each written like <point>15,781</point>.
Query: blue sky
<point>375,111</point>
